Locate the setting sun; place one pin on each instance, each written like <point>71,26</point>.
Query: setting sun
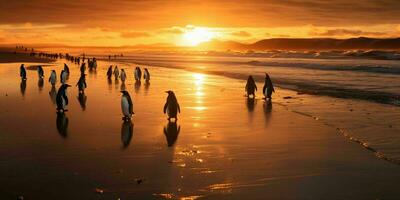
<point>195,36</point>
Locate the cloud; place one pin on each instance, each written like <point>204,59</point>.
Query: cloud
<point>345,32</point>
<point>134,34</point>
<point>241,34</point>
<point>172,30</point>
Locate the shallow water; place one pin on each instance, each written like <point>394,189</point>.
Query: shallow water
<point>223,146</point>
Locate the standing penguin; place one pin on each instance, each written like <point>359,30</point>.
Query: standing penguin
<point>171,107</point>
<point>146,75</point>
<point>126,105</point>
<point>40,72</point>
<point>123,75</point>
<point>66,68</point>
<point>83,68</point>
<point>109,72</point>
<point>22,72</point>
<point>61,98</point>
<point>116,72</point>
<point>53,77</point>
<point>63,76</point>
<point>138,74</point>
<point>251,87</point>
<point>82,83</point>
<point>268,87</point>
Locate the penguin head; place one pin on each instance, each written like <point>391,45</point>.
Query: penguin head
<point>170,92</point>
<point>67,85</point>
<point>266,76</point>
<point>124,92</point>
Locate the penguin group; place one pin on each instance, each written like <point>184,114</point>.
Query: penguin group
<point>251,87</point>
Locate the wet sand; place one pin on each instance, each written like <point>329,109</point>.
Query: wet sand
<point>223,146</point>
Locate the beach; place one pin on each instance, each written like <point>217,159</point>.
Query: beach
<point>223,146</point>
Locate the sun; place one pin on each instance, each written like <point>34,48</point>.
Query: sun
<point>197,35</point>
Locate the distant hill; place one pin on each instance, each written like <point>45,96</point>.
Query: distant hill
<point>305,44</point>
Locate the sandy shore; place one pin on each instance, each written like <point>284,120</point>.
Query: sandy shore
<point>227,147</point>
<point>10,56</point>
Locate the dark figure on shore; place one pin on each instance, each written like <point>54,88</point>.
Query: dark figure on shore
<point>53,77</point>
<point>61,98</point>
<point>82,83</point>
<point>171,131</point>
<point>251,87</point>
<point>109,72</point>
<point>83,68</point>
<point>172,107</point>
<point>138,74</point>
<point>146,75</point>
<point>268,87</point>
<point>40,72</point>
<point>22,72</point>
<point>66,68</point>
<point>126,106</point>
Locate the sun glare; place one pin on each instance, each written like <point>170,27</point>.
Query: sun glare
<point>195,36</point>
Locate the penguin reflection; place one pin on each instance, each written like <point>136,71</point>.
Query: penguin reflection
<point>171,132</point>
<point>23,87</point>
<point>126,133</point>
<point>40,84</point>
<point>250,102</point>
<point>267,110</point>
<point>123,87</point>
<point>62,124</point>
<point>138,83</point>
<point>53,94</point>
<point>146,86</point>
<point>82,98</point>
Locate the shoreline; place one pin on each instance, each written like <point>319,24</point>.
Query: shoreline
<point>10,56</point>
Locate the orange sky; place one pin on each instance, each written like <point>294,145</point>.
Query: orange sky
<point>187,23</point>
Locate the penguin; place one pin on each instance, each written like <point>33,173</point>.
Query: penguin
<point>109,72</point>
<point>83,68</point>
<point>66,68</point>
<point>116,72</point>
<point>53,77</point>
<point>268,87</point>
<point>61,98</point>
<point>171,132</point>
<point>171,106</point>
<point>63,76</point>
<point>126,105</point>
<point>251,87</point>
<point>126,133</point>
<point>22,72</point>
<point>40,72</point>
<point>123,75</point>
<point>94,63</point>
<point>146,75</point>
<point>81,84</point>
<point>138,74</point>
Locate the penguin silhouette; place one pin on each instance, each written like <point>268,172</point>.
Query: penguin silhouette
<point>251,87</point>
<point>123,75</point>
<point>116,72</point>
<point>171,106</point>
<point>63,76</point>
<point>22,72</point>
<point>146,75</point>
<point>81,84</point>
<point>62,124</point>
<point>82,98</point>
<point>268,87</point>
<point>109,72</point>
<point>138,74</point>
<point>62,98</point>
<point>171,132</point>
<point>126,105</point>
<point>126,133</point>
<point>66,68</point>
<point>83,68</point>
<point>53,77</point>
<point>40,72</point>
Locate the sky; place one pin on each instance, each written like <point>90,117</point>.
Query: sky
<point>190,22</point>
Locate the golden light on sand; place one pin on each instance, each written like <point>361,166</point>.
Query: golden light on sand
<point>197,35</point>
